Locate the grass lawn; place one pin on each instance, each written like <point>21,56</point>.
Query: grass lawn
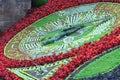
<point>101,65</point>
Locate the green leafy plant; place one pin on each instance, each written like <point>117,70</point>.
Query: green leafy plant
<point>37,3</point>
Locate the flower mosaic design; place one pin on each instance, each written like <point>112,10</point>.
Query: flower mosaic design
<point>19,62</point>
<point>45,40</point>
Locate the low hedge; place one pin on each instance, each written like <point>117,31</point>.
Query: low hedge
<point>37,3</point>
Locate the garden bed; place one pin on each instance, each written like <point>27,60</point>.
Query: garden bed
<point>53,47</point>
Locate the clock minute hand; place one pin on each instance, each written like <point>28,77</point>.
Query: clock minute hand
<point>71,29</point>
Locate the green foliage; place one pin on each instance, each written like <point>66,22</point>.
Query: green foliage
<point>37,3</point>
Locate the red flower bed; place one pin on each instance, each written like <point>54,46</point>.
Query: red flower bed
<point>63,71</point>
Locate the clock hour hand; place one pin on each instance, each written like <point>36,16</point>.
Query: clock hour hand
<point>65,32</point>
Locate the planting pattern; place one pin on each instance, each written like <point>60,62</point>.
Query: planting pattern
<point>73,43</point>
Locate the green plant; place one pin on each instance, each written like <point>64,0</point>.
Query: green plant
<point>37,3</point>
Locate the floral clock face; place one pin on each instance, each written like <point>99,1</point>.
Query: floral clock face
<point>60,32</point>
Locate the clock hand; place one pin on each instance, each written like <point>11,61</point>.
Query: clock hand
<point>95,20</point>
<point>60,35</point>
<point>71,29</point>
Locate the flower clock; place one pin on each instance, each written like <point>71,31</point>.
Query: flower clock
<point>63,40</point>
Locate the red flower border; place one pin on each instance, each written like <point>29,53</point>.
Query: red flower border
<point>37,13</point>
